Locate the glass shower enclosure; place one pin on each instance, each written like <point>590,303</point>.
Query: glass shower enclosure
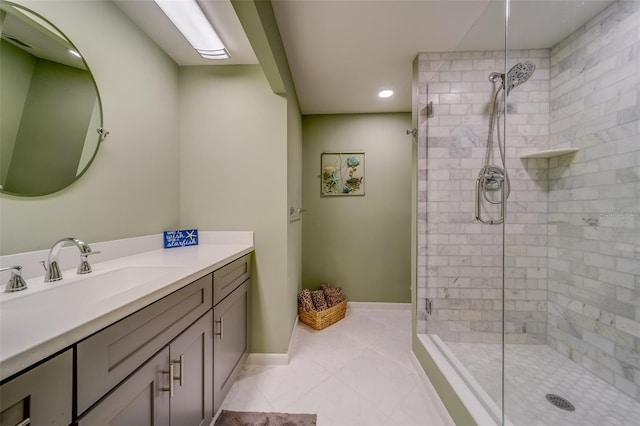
<point>528,278</point>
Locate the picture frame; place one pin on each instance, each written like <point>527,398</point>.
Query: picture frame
<point>342,174</point>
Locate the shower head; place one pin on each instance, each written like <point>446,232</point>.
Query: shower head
<point>518,74</point>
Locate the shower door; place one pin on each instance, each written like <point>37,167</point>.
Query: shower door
<point>572,229</point>
<point>529,210</point>
<point>462,180</point>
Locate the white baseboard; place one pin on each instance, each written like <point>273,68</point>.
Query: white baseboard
<point>274,358</point>
<point>268,359</point>
<point>293,335</point>
<point>379,305</point>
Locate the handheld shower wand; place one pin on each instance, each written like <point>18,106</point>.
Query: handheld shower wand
<point>493,177</point>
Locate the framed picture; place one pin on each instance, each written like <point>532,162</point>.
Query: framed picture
<point>341,174</point>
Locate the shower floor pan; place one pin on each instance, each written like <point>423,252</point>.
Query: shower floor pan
<point>532,372</point>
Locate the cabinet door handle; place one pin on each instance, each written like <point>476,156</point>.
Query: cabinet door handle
<point>181,378</point>
<point>221,322</point>
<point>25,422</point>
<point>170,373</point>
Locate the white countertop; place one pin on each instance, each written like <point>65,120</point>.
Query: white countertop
<point>32,333</point>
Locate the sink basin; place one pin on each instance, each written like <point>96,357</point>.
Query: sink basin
<point>85,289</point>
<point>123,279</point>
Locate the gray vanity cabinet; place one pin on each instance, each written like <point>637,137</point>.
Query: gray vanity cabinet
<point>193,389</point>
<point>229,277</point>
<point>169,363</point>
<point>141,400</point>
<point>109,356</point>
<point>173,388</point>
<point>230,344</point>
<point>41,396</point>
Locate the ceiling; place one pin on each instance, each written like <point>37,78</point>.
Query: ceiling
<point>342,52</point>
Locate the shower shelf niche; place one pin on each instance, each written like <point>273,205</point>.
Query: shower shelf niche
<point>549,153</point>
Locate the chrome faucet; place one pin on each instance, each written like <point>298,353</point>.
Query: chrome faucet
<point>53,271</point>
<point>16,282</point>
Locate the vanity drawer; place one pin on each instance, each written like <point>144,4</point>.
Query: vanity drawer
<point>41,396</point>
<point>229,277</point>
<point>109,356</point>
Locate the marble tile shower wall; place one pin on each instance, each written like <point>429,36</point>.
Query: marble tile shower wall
<point>460,260</point>
<point>594,198</point>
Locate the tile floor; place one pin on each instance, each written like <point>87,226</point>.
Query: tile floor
<point>355,372</point>
<point>531,372</point>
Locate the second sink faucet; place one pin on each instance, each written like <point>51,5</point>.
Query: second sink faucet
<point>53,270</point>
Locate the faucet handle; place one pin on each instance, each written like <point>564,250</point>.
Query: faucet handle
<point>16,282</point>
<point>84,267</point>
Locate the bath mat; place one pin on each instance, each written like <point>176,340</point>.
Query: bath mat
<point>248,418</point>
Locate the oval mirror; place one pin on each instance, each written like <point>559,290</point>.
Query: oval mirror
<point>50,111</point>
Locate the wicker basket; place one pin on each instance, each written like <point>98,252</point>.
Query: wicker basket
<point>323,319</point>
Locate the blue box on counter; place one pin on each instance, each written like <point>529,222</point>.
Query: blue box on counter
<point>180,238</point>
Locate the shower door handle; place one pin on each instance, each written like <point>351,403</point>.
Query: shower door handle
<point>479,199</point>
<point>478,188</point>
<point>503,199</point>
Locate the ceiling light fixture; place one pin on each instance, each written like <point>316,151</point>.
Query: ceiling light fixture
<point>187,16</point>
<point>385,93</point>
<point>75,53</point>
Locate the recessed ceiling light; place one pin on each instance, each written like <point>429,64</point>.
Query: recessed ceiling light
<point>385,93</point>
<point>74,53</point>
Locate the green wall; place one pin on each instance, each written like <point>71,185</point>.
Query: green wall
<point>274,311</point>
<point>362,244</point>
<point>233,161</point>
